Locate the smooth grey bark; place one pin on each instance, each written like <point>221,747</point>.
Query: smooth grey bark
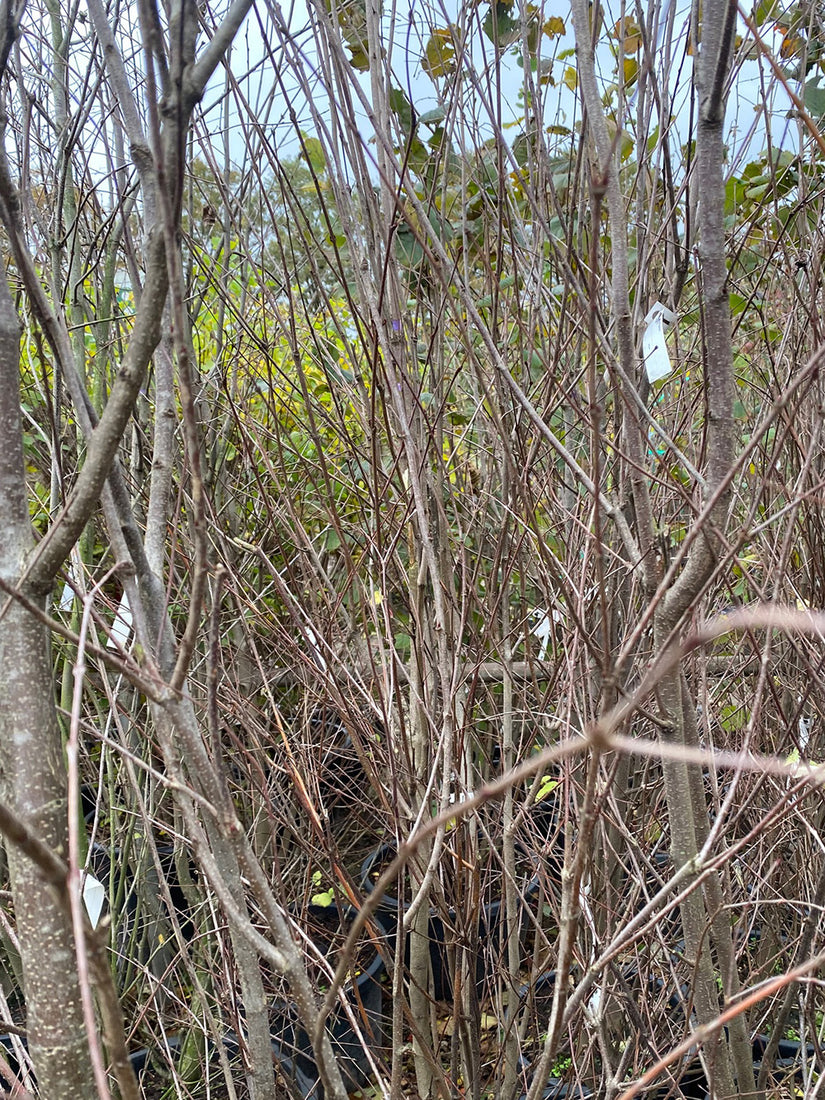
<point>670,601</point>
<point>685,791</point>
<point>32,769</point>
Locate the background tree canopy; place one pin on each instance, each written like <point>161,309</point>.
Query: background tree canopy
<point>412,550</point>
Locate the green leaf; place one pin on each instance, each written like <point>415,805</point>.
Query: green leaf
<point>358,57</point>
<point>547,784</point>
<point>409,250</point>
<point>814,98</point>
<point>430,118</point>
<point>325,899</point>
<point>440,224</point>
<point>499,25</point>
<point>767,9</point>
<point>403,109</point>
<point>758,192</point>
<point>313,151</point>
<point>734,194</point>
<point>630,69</point>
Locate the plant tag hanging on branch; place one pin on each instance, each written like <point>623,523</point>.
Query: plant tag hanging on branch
<point>93,893</point>
<point>654,346</point>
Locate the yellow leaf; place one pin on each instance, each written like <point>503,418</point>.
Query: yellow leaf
<point>632,37</point>
<point>792,46</point>
<point>439,53</point>
<point>571,78</point>
<point>554,27</point>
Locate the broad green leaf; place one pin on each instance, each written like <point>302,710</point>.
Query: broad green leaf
<point>758,192</point>
<point>332,540</point>
<point>403,109</point>
<point>500,26</point>
<point>409,250</point>
<point>766,9</point>
<point>430,118</point>
<point>814,97</point>
<point>313,150</point>
<point>358,57</point>
<point>547,784</point>
<point>324,900</point>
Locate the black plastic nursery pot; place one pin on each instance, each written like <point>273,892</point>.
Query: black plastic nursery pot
<point>538,994</point>
<point>341,776</point>
<point>139,1059</point>
<point>10,1056</point>
<point>788,1050</point>
<point>786,1065</point>
<point>788,1062</point>
<point>556,1089</point>
<point>152,1068</point>
<point>388,913</point>
<point>440,932</point>
<point>10,1049</point>
<point>99,863</point>
<point>351,1028</point>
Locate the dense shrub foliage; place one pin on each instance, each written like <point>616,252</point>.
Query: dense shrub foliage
<point>417,640</point>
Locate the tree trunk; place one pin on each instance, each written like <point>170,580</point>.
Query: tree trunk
<point>33,770</point>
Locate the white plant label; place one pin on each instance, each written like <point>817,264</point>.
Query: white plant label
<point>805,727</point>
<point>122,626</point>
<point>654,346</point>
<point>94,894</point>
<point>541,627</point>
<point>66,598</point>
<point>542,631</point>
<point>67,595</point>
